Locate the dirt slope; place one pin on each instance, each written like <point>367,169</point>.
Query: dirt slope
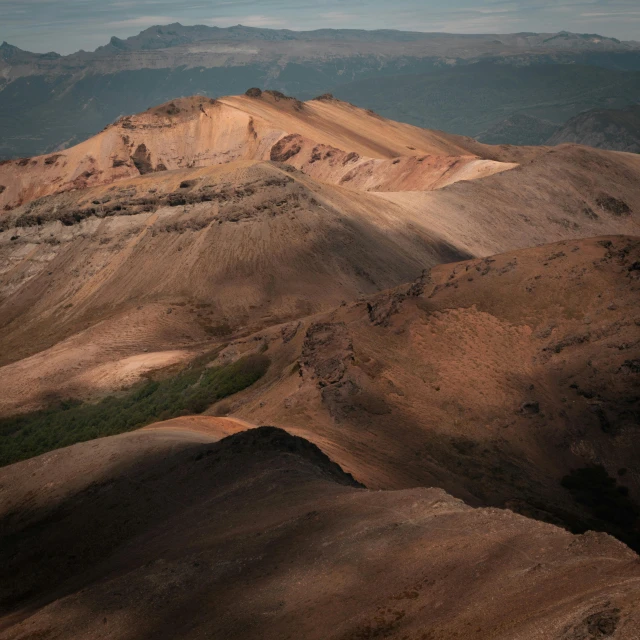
<point>184,258</point>
<point>264,225</point>
<point>568,191</point>
<point>491,378</point>
<point>262,536</point>
<point>238,247</point>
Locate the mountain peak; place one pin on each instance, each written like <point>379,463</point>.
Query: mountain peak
<point>11,52</point>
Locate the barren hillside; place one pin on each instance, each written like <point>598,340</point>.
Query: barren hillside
<point>143,272</point>
<point>432,320</point>
<point>198,132</point>
<point>492,378</point>
<point>262,536</point>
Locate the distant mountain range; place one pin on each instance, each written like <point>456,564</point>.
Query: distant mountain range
<point>617,129</point>
<point>519,128</point>
<point>463,83</point>
<point>613,129</point>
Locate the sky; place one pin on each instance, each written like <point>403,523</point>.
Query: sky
<point>66,26</point>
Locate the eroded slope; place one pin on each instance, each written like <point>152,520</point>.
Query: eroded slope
<point>199,132</point>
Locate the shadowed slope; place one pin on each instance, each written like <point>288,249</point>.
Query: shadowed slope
<point>168,262</point>
<point>491,378</point>
<point>617,129</point>
<point>566,192</point>
<point>262,536</point>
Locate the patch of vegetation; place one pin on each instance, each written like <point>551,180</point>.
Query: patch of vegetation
<point>613,205</point>
<point>609,503</point>
<point>191,391</point>
<point>219,330</point>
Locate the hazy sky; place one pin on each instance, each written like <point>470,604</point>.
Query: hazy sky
<point>69,25</point>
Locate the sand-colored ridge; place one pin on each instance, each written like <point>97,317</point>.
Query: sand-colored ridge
<point>215,427</point>
<point>199,132</point>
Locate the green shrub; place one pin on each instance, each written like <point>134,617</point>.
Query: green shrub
<point>191,391</point>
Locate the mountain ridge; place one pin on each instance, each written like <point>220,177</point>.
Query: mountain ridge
<point>65,99</point>
<point>199,131</point>
<point>259,535</point>
<point>176,34</point>
<point>616,129</point>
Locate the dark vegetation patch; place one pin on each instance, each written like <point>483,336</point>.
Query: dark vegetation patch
<point>126,123</point>
<point>2,189</point>
<point>53,159</point>
<point>278,96</point>
<point>191,391</point>
<point>254,92</point>
<point>631,366</point>
<point>607,502</point>
<point>171,109</point>
<point>601,624</point>
<point>613,205</point>
<point>351,157</point>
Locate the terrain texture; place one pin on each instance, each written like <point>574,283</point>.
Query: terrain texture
<point>444,333</point>
<point>260,535</point>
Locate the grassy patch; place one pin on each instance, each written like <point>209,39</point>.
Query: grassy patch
<point>191,391</point>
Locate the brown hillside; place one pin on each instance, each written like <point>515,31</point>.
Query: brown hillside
<point>491,378</point>
<point>241,246</point>
<point>236,247</point>
<point>444,320</point>
<point>262,536</point>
